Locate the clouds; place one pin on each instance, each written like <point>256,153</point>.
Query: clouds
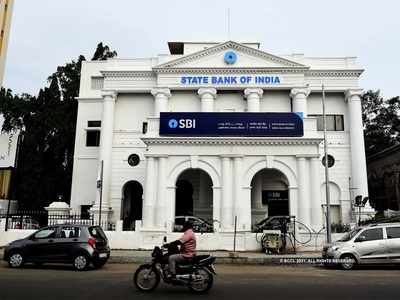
<point>46,33</point>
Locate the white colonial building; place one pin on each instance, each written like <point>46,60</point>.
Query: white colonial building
<point>148,175</point>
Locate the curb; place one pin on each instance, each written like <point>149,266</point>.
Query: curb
<point>266,261</point>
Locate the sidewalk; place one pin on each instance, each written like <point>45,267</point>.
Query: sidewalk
<point>223,257</point>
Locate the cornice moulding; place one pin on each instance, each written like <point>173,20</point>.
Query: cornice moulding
<point>230,141</point>
<point>270,70</point>
<point>333,73</point>
<point>127,74</point>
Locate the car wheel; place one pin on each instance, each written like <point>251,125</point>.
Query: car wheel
<point>81,262</point>
<point>16,260</point>
<point>348,262</point>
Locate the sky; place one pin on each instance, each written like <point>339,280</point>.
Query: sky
<point>48,33</point>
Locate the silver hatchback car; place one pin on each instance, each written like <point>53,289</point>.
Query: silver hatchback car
<point>374,244</point>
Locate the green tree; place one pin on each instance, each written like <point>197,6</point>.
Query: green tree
<point>381,120</point>
<point>47,124</point>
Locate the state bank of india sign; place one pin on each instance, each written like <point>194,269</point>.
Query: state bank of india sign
<point>230,80</point>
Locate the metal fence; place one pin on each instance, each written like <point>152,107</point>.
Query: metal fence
<point>31,219</point>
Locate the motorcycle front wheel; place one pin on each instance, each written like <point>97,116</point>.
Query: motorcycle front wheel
<point>146,278</point>
<point>201,285</point>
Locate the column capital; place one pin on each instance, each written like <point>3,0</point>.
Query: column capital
<point>207,91</point>
<point>300,90</point>
<point>250,91</point>
<point>109,94</point>
<point>161,91</point>
<point>349,94</point>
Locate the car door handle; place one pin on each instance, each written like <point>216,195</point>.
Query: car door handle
<point>75,240</point>
<point>51,241</point>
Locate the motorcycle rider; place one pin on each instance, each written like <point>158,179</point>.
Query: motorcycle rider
<point>187,244</point>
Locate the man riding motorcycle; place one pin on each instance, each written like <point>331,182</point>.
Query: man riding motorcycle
<point>187,243</point>
<point>194,271</point>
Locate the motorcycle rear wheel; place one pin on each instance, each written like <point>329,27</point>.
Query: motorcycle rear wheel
<point>146,278</point>
<point>205,284</point>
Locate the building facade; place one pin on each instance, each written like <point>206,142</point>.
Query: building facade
<point>128,163</point>
<point>6,8</point>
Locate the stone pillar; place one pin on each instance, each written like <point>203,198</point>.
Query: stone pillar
<point>161,206</point>
<point>304,195</point>
<point>149,194</point>
<point>358,163</point>
<point>161,96</point>
<point>217,208</point>
<point>227,203</point>
<point>58,213</point>
<point>253,96</point>
<point>315,184</point>
<point>207,96</point>
<point>105,157</point>
<point>246,208</point>
<point>238,193</point>
<point>299,100</point>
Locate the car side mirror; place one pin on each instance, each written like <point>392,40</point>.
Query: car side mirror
<point>165,239</point>
<point>361,238</point>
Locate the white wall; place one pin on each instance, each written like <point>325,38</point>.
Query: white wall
<point>85,158</point>
<point>275,101</point>
<point>232,101</point>
<point>131,110</point>
<point>184,101</point>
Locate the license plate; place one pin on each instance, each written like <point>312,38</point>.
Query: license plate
<point>102,255</point>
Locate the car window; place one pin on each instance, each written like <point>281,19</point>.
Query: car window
<point>179,221</point>
<point>372,234</point>
<point>70,232</point>
<point>46,233</point>
<point>97,232</point>
<point>393,232</point>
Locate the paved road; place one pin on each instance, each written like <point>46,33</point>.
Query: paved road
<point>233,282</point>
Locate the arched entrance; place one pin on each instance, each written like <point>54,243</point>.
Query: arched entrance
<point>269,195</point>
<point>194,195</point>
<point>132,204</point>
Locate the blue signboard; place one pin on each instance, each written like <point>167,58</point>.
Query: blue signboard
<point>231,124</point>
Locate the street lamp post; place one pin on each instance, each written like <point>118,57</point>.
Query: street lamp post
<point>327,191</point>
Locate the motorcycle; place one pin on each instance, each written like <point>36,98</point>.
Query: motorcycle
<point>196,274</point>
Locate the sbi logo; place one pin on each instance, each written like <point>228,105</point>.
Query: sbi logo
<point>182,123</point>
<point>230,57</point>
<point>173,123</point>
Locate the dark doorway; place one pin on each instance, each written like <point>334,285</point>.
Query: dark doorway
<point>184,198</point>
<point>277,201</point>
<point>132,204</point>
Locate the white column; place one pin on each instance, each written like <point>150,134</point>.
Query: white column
<point>253,96</point>
<point>106,140</point>
<point>161,206</point>
<point>237,192</point>
<point>217,208</point>
<point>149,194</point>
<point>246,208</point>
<point>304,195</point>
<point>315,192</point>
<point>161,96</point>
<point>299,100</point>
<point>227,203</point>
<point>358,164</point>
<point>207,96</point>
